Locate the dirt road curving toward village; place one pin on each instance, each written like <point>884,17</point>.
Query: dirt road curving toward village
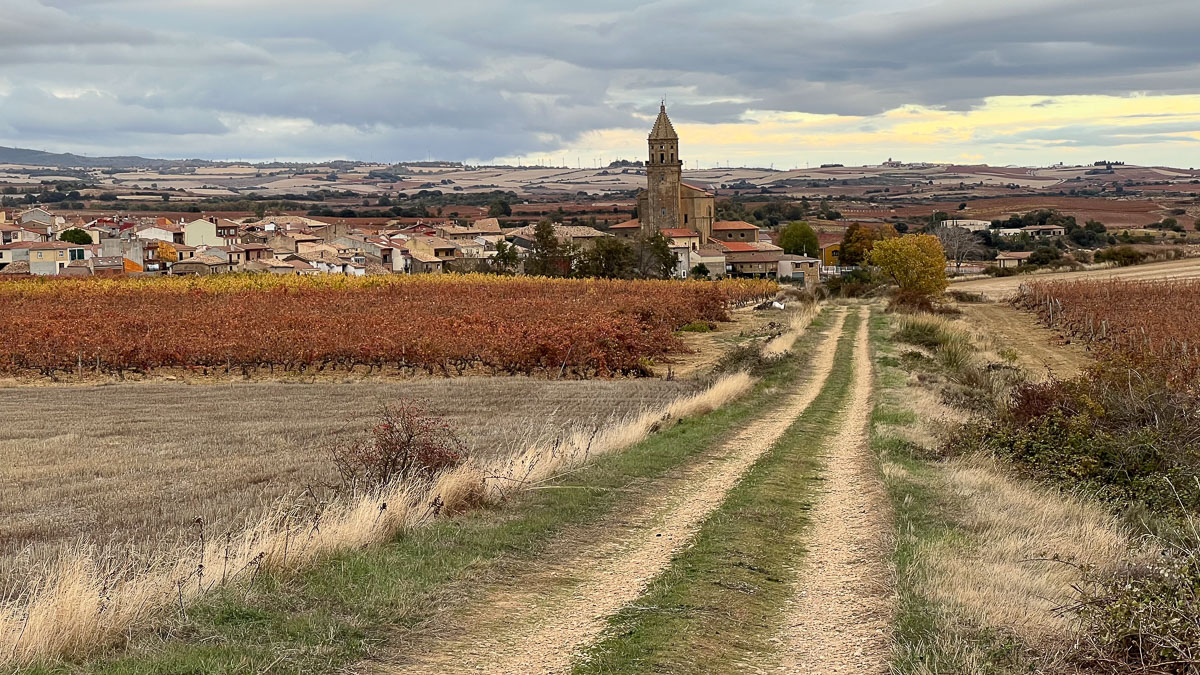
<point>1041,352</point>
<point>538,622</point>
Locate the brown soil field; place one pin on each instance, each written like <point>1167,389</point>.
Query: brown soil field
<point>1006,287</point>
<point>132,466</point>
<point>707,349</point>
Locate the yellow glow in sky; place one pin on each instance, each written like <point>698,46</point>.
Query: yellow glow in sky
<point>1024,130</point>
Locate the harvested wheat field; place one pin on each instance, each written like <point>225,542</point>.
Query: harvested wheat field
<point>130,465</point>
<point>1004,288</point>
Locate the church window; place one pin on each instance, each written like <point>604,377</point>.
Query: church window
<point>685,219</point>
<point>661,157</point>
<point>672,157</point>
<point>664,212</point>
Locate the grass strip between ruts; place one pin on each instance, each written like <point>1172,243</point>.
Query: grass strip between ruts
<point>720,600</point>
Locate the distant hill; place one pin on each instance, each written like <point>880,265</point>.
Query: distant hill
<point>68,160</point>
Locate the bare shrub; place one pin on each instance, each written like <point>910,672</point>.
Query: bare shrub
<point>407,444</point>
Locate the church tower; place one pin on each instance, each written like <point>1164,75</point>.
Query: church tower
<point>664,175</point>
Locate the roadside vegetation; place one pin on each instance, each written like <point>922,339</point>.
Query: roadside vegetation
<point>1044,525</point>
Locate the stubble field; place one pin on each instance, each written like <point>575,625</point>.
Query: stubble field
<point>131,467</point>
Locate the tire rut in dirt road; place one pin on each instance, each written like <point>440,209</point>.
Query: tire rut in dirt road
<point>537,624</point>
<point>839,621</point>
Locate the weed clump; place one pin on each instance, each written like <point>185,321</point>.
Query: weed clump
<point>1146,617</point>
<point>407,444</point>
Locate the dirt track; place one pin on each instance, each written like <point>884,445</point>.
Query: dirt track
<point>537,624</point>
<point>839,619</point>
<point>1040,351</point>
<point>1006,287</point>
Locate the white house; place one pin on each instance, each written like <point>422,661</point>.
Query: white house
<point>968,225</point>
<point>202,233</point>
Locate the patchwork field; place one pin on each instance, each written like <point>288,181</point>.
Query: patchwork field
<point>129,466</point>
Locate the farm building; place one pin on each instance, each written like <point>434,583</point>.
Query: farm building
<point>1012,258</point>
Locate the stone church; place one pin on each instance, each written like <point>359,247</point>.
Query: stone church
<point>668,203</point>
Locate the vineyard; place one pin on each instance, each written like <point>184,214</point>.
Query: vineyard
<point>1151,324</point>
<point>445,325</point>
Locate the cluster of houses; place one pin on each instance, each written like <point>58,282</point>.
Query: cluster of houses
<point>30,244</point>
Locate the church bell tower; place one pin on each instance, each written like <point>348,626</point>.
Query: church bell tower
<point>664,175</point>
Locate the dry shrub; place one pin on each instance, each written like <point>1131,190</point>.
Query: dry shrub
<point>1145,617</point>
<point>406,444</point>
<point>797,325</point>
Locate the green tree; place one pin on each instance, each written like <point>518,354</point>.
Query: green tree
<point>499,207</point>
<point>915,262</point>
<point>75,236</point>
<point>608,258</point>
<point>798,238</point>
<point>506,260</point>
<point>548,257</point>
<point>699,271</point>
<point>1045,255</point>
<point>655,259</point>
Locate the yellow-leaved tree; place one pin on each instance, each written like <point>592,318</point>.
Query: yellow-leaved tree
<point>916,262</point>
<point>167,252</point>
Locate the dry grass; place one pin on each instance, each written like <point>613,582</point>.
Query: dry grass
<point>1007,331</point>
<point>86,601</point>
<point>797,324</point>
<point>933,418</point>
<point>1030,543</point>
<point>130,466</point>
<point>987,556</point>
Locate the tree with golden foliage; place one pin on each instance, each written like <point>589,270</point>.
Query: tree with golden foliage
<point>167,252</point>
<point>916,262</point>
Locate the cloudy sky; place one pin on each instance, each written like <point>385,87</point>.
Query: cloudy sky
<point>757,82</point>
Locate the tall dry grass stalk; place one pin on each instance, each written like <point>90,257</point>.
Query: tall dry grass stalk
<point>85,601</point>
<point>800,320</point>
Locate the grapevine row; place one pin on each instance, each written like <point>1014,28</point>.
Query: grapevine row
<point>1154,325</point>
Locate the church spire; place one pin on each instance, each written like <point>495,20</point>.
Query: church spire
<point>663,130</point>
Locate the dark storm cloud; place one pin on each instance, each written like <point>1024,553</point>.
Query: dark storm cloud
<point>505,77</point>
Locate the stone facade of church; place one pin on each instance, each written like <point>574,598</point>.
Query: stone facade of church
<point>668,203</point>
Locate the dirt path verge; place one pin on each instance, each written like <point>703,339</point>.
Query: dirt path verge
<point>839,620</point>
<point>538,621</point>
<point>1039,350</point>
